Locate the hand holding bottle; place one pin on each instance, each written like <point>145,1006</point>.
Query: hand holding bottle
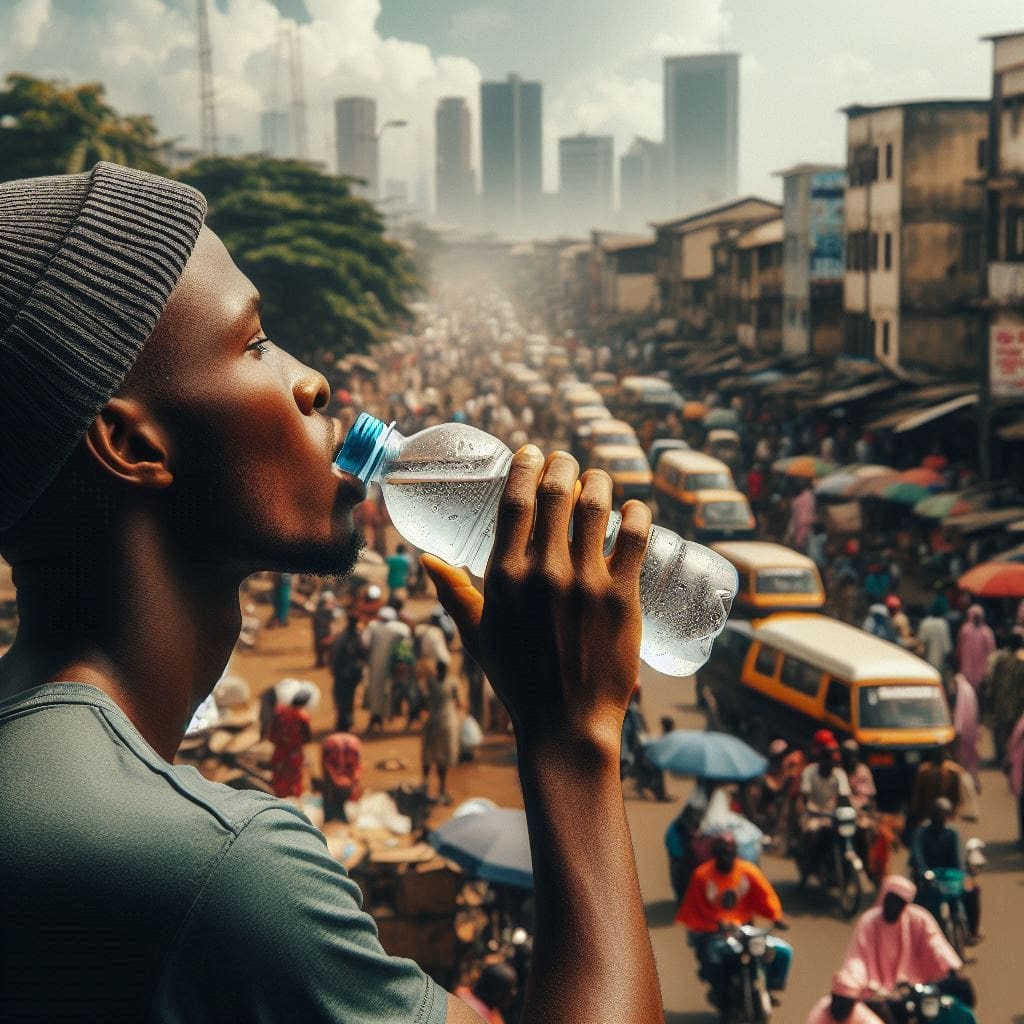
<point>557,628</point>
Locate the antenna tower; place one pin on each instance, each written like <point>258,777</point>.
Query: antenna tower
<point>207,110</point>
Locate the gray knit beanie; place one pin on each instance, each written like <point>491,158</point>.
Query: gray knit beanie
<point>87,262</point>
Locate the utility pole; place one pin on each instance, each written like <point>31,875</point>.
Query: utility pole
<point>207,110</point>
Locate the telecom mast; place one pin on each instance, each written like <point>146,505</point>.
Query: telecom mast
<point>207,110</point>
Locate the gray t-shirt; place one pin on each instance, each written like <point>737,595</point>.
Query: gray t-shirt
<point>131,889</point>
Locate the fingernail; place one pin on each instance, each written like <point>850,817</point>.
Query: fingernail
<point>531,451</point>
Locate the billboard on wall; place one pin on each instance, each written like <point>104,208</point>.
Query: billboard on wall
<point>826,224</point>
<point>1006,360</point>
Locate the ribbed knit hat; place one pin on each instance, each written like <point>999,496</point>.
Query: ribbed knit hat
<point>87,262</point>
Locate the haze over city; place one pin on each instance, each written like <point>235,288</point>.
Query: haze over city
<point>601,71</point>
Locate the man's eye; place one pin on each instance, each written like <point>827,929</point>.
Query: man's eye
<point>260,346</point>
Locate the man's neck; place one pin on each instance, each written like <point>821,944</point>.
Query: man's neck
<point>152,634</point>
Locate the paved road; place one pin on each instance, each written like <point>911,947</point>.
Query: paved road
<point>818,935</point>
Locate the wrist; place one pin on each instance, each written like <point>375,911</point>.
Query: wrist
<point>590,750</point>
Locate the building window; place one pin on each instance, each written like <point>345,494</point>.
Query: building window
<point>874,164</point>
<point>1015,233</point>
<point>972,252</point>
<point>887,260</point>
<point>874,250</point>
<point>885,337</point>
<point>888,160</point>
<point>982,154</point>
<point>1015,108</point>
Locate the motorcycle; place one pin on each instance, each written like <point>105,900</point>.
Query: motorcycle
<point>943,895</point>
<point>927,1004</point>
<point>839,866</point>
<point>741,993</point>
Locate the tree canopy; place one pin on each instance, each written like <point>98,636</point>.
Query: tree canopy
<point>51,127</point>
<point>330,280</point>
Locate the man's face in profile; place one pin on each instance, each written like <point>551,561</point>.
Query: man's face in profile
<point>250,452</point>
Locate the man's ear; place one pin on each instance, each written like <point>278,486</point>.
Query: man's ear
<point>126,442</point>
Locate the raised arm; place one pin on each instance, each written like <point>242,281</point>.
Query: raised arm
<point>557,630</point>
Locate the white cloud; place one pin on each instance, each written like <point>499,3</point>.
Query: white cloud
<point>146,54</point>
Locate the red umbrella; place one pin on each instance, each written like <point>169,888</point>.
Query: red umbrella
<point>994,579</point>
<point>923,476</point>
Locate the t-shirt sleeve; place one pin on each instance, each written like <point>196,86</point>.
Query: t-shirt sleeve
<point>277,933</point>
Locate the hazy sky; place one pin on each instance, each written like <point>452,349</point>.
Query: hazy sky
<point>599,60</point>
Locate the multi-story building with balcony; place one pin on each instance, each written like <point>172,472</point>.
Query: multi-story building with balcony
<point>914,230</point>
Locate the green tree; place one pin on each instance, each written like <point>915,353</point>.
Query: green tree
<point>330,280</point>
<point>51,127</point>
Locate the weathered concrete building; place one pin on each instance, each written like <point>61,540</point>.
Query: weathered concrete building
<point>625,269</point>
<point>759,256</point>
<point>1005,201</point>
<point>914,226</point>
<point>813,259</point>
<point>684,257</point>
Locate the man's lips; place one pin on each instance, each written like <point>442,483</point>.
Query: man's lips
<point>354,487</point>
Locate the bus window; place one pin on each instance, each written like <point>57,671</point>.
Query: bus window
<point>765,664</point>
<point>837,700</point>
<point>800,676</point>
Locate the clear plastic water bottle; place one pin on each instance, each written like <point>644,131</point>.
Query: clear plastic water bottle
<point>442,487</point>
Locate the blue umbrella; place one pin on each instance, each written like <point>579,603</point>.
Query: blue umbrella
<point>722,418</point>
<point>493,845</point>
<point>711,755</point>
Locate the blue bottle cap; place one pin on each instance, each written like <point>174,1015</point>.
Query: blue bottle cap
<point>364,445</point>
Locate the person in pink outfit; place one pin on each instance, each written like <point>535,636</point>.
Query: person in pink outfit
<point>1015,771</point>
<point>974,644</point>
<point>844,1003</point>
<point>896,941</point>
<point>965,722</point>
<point>801,517</point>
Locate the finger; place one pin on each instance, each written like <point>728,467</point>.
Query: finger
<point>554,504</point>
<point>590,518</point>
<point>517,506</point>
<point>461,600</point>
<point>631,543</point>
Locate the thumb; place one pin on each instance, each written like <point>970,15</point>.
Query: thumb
<point>455,590</point>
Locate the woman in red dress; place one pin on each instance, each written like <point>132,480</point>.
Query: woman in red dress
<point>289,732</point>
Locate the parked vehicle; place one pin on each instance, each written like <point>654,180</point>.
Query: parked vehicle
<point>627,465</point>
<point>679,477</point>
<point>772,578</point>
<point>598,432</point>
<point>723,444</point>
<point>791,674</point>
<point>662,445</point>
<point>719,515</point>
<point>606,384</point>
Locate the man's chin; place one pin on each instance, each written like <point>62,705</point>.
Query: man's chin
<point>336,559</point>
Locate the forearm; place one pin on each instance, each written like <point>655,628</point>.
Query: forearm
<point>592,953</point>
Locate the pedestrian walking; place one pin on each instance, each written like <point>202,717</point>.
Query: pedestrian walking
<point>289,732</point>
<point>974,644</point>
<point>399,566</point>
<point>934,636</point>
<point>1014,767</point>
<point>348,658</point>
<point>380,638</point>
<point>1002,692</point>
<point>963,701</point>
<point>440,741</point>
<point>324,616</point>
<point>281,600</point>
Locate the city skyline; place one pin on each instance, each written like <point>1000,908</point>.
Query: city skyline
<point>800,65</point>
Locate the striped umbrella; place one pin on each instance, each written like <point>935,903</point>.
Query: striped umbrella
<point>994,579</point>
<point>836,484</point>
<point>904,493</point>
<point>941,506</point>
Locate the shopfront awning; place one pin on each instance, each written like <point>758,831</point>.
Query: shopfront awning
<point>914,415</point>
<point>990,519</point>
<point>855,394</point>
<point>1012,431</point>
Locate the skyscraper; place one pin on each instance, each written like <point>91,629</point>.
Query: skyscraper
<point>702,128</point>
<point>586,171</point>
<point>355,140</point>
<point>456,188</point>
<point>642,184</point>
<point>511,148</point>
<point>276,133</point>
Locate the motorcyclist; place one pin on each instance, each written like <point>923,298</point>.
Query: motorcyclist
<point>633,758</point>
<point>896,942</point>
<point>937,846</point>
<point>862,794</point>
<point>779,789</point>
<point>823,785</point>
<point>726,892</point>
<point>843,1004</point>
